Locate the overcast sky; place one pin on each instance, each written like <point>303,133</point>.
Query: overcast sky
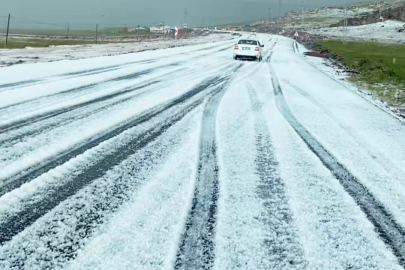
<point>83,13</point>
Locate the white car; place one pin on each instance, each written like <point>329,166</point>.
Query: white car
<point>248,49</point>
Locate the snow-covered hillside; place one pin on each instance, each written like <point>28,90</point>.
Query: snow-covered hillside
<point>383,31</point>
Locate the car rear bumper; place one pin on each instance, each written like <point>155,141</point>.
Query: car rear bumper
<point>247,56</point>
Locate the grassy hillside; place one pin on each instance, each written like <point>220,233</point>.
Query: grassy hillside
<point>74,32</point>
<point>22,43</point>
<point>380,66</point>
<point>238,24</point>
<point>38,43</point>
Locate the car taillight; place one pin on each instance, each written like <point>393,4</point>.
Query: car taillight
<point>236,48</point>
<point>257,49</point>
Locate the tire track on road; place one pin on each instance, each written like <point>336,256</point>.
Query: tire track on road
<point>41,128</point>
<point>21,83</point>
<point>173,111</point>
<point>46,115</point>
<point>33,172</point>
<point>105,69</point>
<point>75,74</point>
<point>282,242</point>
<point>89,86</point>
<point>77,219</point>
<point>38,127</point>
<point>383,161</point>
<point>196,248</point>
<point>385,225</point>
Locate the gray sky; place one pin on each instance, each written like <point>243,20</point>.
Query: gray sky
<point>84,13</point>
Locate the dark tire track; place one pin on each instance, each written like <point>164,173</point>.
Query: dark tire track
<point>283,246</point>
<point>75,74</point>
<point>196,250</point>
<point>10,86</point>
<point>47,115</point>
<point>67,116</point>
<point>88,87</point>
<point>77,222</point>
<point>38,117</point>
<point>41,128</point>
<point>385,225</point>
<point>175,110</point>
<point>105,69</point>
<point>70,116</point>
<point>114,67</point>
<point>60,112</point>
<point>32,173</point>
<point>28,216</point>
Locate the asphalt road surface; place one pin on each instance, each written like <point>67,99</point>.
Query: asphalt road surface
<point>186,159</point>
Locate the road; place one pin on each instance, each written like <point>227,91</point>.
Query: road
<point>186,159</point>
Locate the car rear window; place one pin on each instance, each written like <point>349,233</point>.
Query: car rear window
<point>248,42</point>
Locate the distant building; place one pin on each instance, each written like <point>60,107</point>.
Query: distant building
<point>156,29</point>
<point>160,29</point>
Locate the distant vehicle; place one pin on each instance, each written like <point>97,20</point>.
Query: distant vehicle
<point>248,49</point>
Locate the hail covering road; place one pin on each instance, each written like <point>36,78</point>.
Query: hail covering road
<point>185,159</point>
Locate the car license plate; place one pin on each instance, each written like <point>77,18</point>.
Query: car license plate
<point>246,48</point>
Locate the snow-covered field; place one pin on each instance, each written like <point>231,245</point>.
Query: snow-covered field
<point>58,53</point>
<point>325,16</point>
<point>383,31</point>
<point>185,159</point>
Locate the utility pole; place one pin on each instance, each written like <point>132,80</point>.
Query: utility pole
<point>96,33</point>
<point>345,23</point>
<point>302,13</point>
<point>269,20</point>
<point>185,16</point>
<point>279,15</point>
<point>67,28</point>
<point>269,14</point>
<point>8,28</point>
